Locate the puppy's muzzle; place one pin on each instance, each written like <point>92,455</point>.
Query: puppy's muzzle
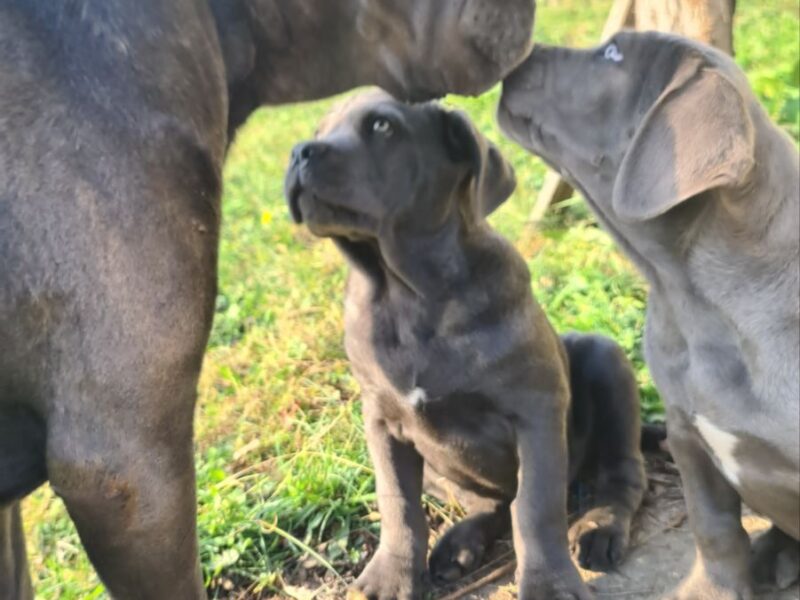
<point>303,155</point>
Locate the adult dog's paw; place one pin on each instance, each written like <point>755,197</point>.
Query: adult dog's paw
<point>389,577</point>
<point>549,584</point>
<point>775,560</point>
<point>599,540</point>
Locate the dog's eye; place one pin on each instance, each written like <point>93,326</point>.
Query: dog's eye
<point>382,126</point>
<point>612,53</point>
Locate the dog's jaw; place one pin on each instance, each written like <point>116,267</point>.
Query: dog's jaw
<point>294,189</point>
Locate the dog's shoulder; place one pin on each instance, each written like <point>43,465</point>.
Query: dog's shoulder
<point>113,68</point>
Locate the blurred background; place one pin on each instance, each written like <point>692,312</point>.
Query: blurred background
<point>285,487</point>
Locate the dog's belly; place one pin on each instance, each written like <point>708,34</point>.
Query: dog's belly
<point>465,439</point>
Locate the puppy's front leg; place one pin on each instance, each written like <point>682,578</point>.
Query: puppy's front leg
<point>397,569</point>
<point>539,511</point>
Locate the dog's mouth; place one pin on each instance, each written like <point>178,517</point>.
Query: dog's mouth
<point>414,90</point>
<point>293,195</point>
<point>520,128</point>
<point>322,216</point>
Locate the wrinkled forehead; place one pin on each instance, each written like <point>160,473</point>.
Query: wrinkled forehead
<point>351,112</point>
<point>660,50</point>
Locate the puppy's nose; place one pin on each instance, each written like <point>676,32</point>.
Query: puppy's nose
<point>307,150</point>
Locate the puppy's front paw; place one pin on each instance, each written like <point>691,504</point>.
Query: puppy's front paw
<point>389,577</point>
<point>549,584</point>
<point>775,560</point>
<point>456,554</point>
<point>599,539</point>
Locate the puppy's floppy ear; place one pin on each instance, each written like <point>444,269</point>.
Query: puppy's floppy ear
<point>697,136</point>
<point>492,176</point>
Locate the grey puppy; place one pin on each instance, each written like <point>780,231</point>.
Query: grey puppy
<point>462,375</point>
<point>682,165</point>
<point>115,117</point>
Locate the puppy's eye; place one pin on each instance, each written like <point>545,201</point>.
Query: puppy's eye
<point>382,127</point>
<point>612,53</point>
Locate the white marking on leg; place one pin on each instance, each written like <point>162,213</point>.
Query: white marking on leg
<point>417,397</point>
<point>722,445</point>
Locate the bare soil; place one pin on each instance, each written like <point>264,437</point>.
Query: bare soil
<point>662,551</point>
<point>661,554</point>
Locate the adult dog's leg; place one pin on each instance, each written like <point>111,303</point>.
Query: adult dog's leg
<point>130,490</point>
<point>120,427</point>
<point>15,583</point>
<point>397,569</point>
<point>721,568</point>
<point>604,388</point>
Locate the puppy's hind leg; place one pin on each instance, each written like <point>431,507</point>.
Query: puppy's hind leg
<point>775,559</point>
<point>600,374</point>
<point>463,547</point>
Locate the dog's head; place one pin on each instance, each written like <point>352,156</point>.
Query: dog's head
<point>645,121</point>
<point>426,49</point>
<point>378,166</point>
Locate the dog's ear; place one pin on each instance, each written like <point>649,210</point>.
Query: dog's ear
<point>492,179</point>
<point>697,136</point>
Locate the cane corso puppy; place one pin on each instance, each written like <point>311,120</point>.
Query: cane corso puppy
<point>682,165</point>
<point>114,121</point>
<point>461,373</point>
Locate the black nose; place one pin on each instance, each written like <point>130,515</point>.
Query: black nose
<point>307,150</point>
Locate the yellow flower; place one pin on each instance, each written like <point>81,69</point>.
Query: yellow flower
<point>266,218</point>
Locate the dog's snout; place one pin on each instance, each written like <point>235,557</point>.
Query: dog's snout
<point>530,74</point>
<point>308,150</point>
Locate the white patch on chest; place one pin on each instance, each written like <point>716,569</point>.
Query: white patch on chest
<point>722,444</point>
<point>417,397</point>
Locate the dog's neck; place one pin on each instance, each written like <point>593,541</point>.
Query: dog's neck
<point>266,45</point>
<point>429,267</point>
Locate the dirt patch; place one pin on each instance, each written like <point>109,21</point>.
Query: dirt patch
<point>662,551</point>
<point>661,554</point>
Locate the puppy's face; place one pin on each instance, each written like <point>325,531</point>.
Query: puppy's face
<point>379,166</point>
<point>579,109</point>
<point>646,119</point>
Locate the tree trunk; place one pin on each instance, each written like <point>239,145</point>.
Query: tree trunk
<point>708,21</point>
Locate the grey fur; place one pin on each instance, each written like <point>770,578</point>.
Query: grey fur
<point>683,166</point>
<point>463,379</point>
<point>115,117</point>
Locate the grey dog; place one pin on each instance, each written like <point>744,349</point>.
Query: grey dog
<point>461,373</point>
<point>115,117</point>
<point>682,165</point>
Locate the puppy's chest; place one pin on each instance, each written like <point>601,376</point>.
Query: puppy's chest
<point>427,382</point>
<point>398,352</point>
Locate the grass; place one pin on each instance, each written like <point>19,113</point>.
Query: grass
<point>284,483</point>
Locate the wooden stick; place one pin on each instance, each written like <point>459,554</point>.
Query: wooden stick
<point>618,18</point>
<point>491,576</point>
